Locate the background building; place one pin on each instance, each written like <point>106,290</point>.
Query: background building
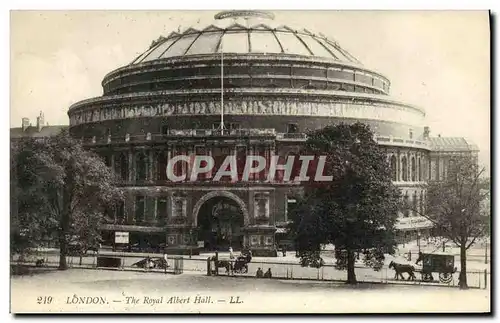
<point>279,82</point>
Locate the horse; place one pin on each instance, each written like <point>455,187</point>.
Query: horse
<point>223,264</point>
<point>160,263</point>
<point>403,268</point>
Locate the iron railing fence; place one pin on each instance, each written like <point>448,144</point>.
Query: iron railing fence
<point>279,270</point>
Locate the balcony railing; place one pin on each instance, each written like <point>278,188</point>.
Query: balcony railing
<point>173,133</point>
<point>300,136</point>
<point>255,132</point>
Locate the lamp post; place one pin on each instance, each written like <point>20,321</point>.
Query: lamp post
<point>485,251</point>
<point>190,243</point>
<point>418,240</point>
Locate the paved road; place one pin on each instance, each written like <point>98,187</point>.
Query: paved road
<point>287,268</point>
<point>254,295</point>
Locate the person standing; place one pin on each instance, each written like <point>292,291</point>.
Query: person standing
<point>165,257</point>
<point>231,254</point>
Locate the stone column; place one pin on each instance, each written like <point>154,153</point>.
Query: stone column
<point>155,210</point>
<point>189,167</point>
<point>112,162</point>
<point>251,197</point>
<point>272,208</point>
<point>250,153</point>
<point>208,151</point>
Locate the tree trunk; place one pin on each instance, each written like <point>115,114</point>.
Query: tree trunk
<point>63,250</point>
<point>462,278</point>
<point>351,275</point>
<point>64,227</point>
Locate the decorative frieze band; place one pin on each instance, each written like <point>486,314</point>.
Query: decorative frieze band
<point>341,109</point>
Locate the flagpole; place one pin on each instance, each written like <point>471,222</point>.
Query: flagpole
<point>222,85</point>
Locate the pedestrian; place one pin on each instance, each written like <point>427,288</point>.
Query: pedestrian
<point>284,250</point>
<point>231,254</point>
<point>260,273</point>
<point>268,273</point>
<point>165,257</point>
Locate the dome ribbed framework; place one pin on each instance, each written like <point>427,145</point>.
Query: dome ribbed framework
<point>238,32</point>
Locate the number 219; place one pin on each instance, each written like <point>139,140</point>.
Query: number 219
<point>44,299</point>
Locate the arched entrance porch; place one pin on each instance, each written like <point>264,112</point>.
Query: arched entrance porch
<point>219,219</point>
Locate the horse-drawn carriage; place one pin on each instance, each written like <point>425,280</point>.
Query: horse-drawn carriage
<point>240,265</point>
<point>442,264</point>
<point>152,263</point>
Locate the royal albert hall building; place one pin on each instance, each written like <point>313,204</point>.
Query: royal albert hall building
<point>278,83</point>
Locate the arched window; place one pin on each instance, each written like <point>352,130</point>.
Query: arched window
<point>413,170</point>
<point>404,169</point>
<point>394,168</point>
<point>141,167</point>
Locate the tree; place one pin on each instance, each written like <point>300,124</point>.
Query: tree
<point>454,206</point>
<point>31,224</point>
<point>357,210</point>
<point>63,188</point>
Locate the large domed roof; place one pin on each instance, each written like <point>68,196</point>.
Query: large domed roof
<point>245,32</point>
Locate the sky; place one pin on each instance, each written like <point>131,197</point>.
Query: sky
<point>437,60</point>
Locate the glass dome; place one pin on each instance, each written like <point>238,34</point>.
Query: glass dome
<point>245,32</point>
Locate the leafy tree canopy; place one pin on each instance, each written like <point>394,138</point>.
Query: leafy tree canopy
<point>357,210</point>
<point>60,187</point>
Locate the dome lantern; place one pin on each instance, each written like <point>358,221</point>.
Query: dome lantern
<point>245,14</point>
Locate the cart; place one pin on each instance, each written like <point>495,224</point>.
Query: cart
<point>442,264</point>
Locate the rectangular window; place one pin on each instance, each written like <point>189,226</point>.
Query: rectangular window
<point>406,211</point>
<point>241,156</point>
<point>202,151</point>
<point>139,209</point>
<point>120,212</point>
<point>234,126</point>
<point>433,170</point>
<point>262,152</point>
<point>161,210</point>
<point>219,154</point>
<point>292,128</point>
<point>290,206</point>
<point>161,166</point>
<point>179,168</point>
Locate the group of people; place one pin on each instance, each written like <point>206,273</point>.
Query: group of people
<point>260,273</point>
